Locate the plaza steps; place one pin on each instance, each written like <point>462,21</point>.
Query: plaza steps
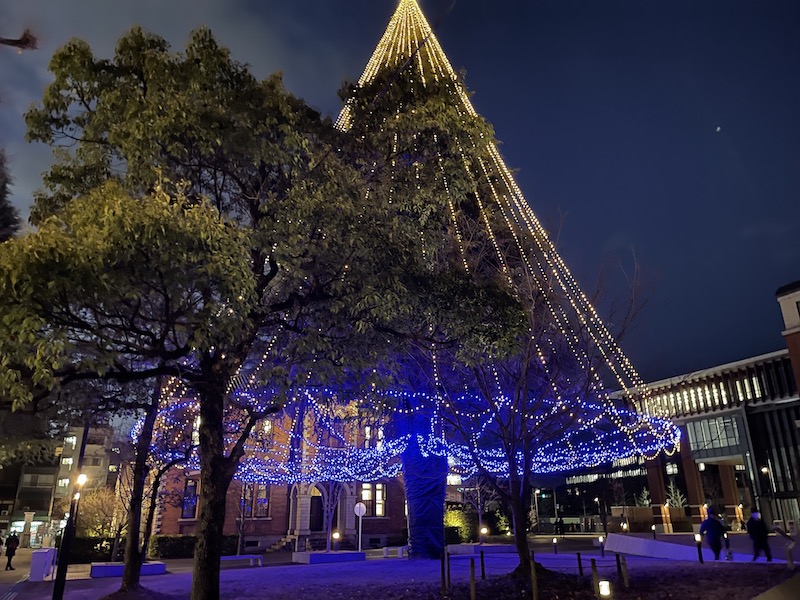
<point>285,544</point>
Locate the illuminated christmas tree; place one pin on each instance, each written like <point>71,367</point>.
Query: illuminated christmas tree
<point>536,404</point>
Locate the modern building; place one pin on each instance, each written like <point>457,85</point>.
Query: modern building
<point>741,429</point>
<point>100,463</point>
<point>34,498</point>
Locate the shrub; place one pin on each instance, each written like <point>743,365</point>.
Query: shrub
<point>91,549</point>
<point>464,522</point>
<point>182,546</point>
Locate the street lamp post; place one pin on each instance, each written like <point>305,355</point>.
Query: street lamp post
<point>66,540</point>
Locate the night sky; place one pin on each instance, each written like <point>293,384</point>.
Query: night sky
<point>663,132</point>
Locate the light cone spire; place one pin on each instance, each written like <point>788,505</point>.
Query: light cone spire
<point>410,43</point>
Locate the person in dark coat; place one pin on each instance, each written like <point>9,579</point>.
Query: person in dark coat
<point>12,543</point>
<point>759,533</point>
<point>714,531</point>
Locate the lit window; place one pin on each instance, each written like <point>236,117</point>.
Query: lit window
<point>63,482</point>
<point>453,479</point>
<point>739,393</point>
<point>196,431</point>
<point>189,505</point>
<point>70,440</point>
<point>756,388</point>
<point>374,498</point>
<point>380,507</point>
<point>112,468</point>
<point>261,500</point>
<point>66,461</point>
<point>672,469</point>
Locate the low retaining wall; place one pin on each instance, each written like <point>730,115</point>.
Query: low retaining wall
<point>640,546</point>
<point>316,558</point>
<point>115,569</point>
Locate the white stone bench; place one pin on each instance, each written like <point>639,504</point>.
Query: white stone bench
<point>253,559</point>
<point>115,569</point>
<point>400,551</point>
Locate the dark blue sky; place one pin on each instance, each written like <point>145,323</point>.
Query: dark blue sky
<point>609,110</point>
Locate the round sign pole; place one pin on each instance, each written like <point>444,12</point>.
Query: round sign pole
<point>360,509</point>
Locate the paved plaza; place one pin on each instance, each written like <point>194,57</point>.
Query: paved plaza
<point>403,578</point>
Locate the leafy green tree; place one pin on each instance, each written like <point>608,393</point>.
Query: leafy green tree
<point>120,289</point>
<point>325,263</point>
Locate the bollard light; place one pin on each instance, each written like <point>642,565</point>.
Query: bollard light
<point>625,526</point>
<point>698,538</point>
<point>555,545</point>
<point>653,529</point>
<point>602,546</point>
<point>604,587</point>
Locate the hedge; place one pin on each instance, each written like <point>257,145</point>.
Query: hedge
<point>182,546</point>
<point>93,549</point>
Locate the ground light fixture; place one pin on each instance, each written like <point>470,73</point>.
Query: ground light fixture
<point>604,587</point>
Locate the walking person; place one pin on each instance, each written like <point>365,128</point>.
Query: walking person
<point>12,543</point>
<point>759,533</point>
<point>714,531</point>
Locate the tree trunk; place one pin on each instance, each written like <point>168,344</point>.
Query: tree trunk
<point>133,560</point>
<point>519,521</point>
<point>425,479</point>
<point>115,547</point>
<point>216,474</point>
<point>151,515</point>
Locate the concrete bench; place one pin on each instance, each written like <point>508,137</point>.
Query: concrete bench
<point>399,551</point>
<point>253,559</point>
<point>115,569</point>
